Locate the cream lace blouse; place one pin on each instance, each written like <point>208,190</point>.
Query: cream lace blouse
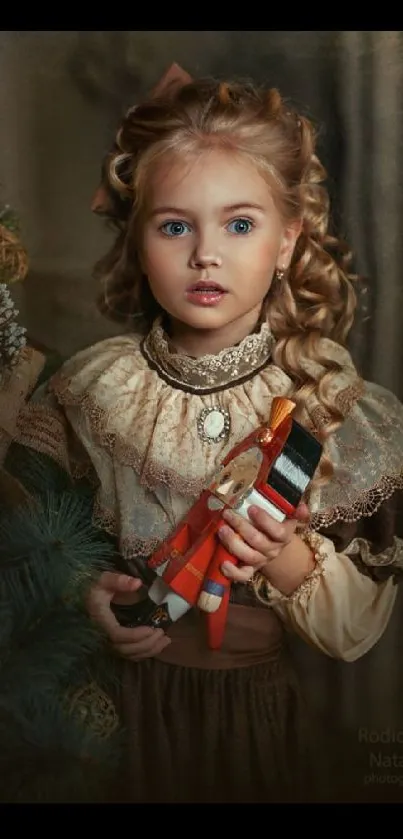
<point>154,425</point>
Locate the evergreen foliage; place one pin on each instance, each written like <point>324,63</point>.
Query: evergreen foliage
<point>59,734</point>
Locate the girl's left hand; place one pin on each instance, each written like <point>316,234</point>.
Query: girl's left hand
<point>257,542</point>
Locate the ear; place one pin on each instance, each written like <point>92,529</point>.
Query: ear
<point>173,78</point>
<point>289,239</point>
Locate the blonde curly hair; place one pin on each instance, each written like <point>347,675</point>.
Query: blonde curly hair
<point>316,298</point>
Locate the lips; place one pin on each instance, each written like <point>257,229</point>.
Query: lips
<point>205,293</point>
<point>206,286</point>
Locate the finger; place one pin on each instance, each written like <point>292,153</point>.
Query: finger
<point>303,512</point>
<point>253,534</point>
<point>238,573</point>
<point>239,548</point>
<point>144,656</point>
<point>100,594</point>
<point>145,648</point>
<point>116,583</point>
<point>99,609</point>
<point>156,649</point>
<point>134,635</point>
<point>273,530</point>
<point>102,615</point>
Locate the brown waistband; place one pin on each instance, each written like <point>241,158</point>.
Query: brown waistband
<point>253,636</point>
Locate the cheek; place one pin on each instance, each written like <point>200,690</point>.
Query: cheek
<point>259,267</point>
<point>261,254</point>
<point>161,258</point>
<point>266,254</point>
<point>154,259</point>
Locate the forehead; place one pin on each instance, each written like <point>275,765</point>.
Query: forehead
<point>216,176</point>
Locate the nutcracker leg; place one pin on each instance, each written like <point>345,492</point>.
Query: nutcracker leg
<point>159,609</point>
<point>215,584</point>
<point>216,623</point>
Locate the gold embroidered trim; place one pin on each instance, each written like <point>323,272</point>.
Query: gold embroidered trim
<point>45,431</point>
<point>202,375</point>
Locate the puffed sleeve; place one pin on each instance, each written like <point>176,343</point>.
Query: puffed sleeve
<point>344,605</point>
<point>75,419</point>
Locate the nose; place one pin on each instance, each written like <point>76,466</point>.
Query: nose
<point>205,254</point>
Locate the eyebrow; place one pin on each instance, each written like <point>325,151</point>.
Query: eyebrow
<point>242,205</point>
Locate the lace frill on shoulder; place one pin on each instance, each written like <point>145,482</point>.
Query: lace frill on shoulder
<point>146,421</point>
<point>367,456</point>
<point>155,425</point>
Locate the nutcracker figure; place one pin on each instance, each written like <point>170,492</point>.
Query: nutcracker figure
<point>272,469</point>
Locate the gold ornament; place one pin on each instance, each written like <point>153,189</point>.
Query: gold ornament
<point>281,409</point>
<point>13,257</point>
<point>95,709</point>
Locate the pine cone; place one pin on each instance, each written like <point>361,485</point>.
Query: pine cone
<point>12,335</point>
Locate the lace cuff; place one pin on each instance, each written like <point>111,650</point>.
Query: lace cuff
<point>268,594</point>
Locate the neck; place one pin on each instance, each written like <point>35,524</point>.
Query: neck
<point>199,342</point>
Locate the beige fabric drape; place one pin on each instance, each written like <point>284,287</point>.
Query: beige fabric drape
<point>366,699</point>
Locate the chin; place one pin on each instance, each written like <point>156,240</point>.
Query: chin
<point>207,323</point>
<point>202,319</point>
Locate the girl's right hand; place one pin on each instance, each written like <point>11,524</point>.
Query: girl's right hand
<point>132,643</point>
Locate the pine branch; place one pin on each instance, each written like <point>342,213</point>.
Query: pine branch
<point>37,661</point>
<point>49,551</point>
<point>55,758</point>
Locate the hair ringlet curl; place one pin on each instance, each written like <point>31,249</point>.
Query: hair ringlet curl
<point>316,299</point>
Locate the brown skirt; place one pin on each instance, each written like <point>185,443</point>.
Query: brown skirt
<point>208,735</point>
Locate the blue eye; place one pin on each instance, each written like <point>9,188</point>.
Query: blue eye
<point>174,228</point>
<point>240,226</point>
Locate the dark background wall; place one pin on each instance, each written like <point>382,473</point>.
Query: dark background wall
<point>64,95</point>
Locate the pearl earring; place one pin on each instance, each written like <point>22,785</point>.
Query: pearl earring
<point>279,274</point>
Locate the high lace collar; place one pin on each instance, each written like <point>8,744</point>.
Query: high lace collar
<point>208,373</point>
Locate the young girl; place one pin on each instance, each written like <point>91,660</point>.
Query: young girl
<point>224,252</point>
